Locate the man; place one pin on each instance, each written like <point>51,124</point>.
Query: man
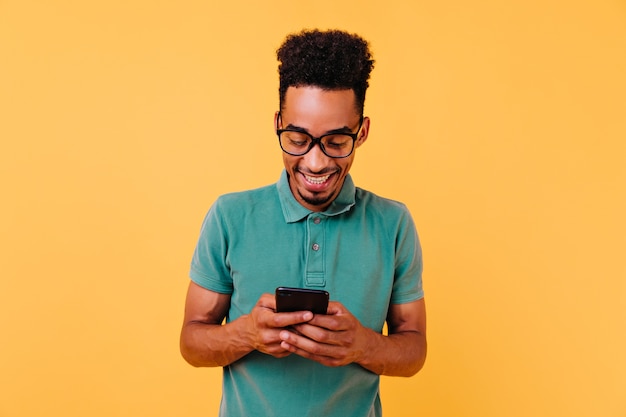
<point>312,229</point>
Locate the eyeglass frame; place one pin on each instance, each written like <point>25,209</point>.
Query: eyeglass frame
<point>318,140</point>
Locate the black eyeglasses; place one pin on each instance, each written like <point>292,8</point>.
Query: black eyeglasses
<point>337,144</point>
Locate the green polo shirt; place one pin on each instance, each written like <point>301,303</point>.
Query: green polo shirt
<point>363,250</point>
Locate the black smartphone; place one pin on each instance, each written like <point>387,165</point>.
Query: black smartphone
<point>301,299</point>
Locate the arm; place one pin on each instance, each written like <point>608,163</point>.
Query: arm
<point>205,341</point>
<point>339,338</point>
<point>403,352</point>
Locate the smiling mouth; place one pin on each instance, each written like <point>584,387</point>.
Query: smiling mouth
<point>316,180</point>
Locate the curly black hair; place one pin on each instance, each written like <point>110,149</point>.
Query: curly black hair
<point>332,60</point>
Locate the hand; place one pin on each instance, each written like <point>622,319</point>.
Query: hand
<point>334,339</point>
<point>264,326</point>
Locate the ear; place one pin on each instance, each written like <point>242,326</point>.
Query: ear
<point>276,120</point>
<point>364,132</point>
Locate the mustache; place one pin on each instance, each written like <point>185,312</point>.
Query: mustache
<point>325,171</point>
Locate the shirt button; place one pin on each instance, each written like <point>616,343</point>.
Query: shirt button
<point>316,247</point>
<point>317,220</point>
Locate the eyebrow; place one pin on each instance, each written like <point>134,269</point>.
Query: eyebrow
<point>344,129</point>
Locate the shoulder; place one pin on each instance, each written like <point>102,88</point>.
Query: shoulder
<point>375,204</point>
<point>242,199</point>
<point>233,208</point>
<point>391,216</point>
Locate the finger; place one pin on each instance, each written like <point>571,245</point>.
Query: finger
<point>267,300</point>
<point>276,350</point>
<point>295,344</point>
<point>335,307</point>
<point>289,319</point>
<point>299,342</point>
<point>310,350</point>
<point>317,333</point>
<point>334,323</point>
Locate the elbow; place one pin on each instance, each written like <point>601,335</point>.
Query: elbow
<point>191,354</point>
<point>188,355</point>
<point>195,359</point>
<point>191,361</point>
<point>417,362</point>
<point>200,357</point>
<point>417,366</point>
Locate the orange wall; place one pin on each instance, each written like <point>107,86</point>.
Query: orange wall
<point>501,124</point>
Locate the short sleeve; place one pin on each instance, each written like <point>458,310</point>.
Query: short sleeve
<point>407,285</point>
<point>209,265</point>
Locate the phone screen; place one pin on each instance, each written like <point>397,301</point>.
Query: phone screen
<point>301,299</point>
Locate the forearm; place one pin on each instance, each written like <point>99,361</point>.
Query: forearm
<point>399,354</point>
<point>210,345</point>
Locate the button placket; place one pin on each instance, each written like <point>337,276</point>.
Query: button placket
<point>315,271</point>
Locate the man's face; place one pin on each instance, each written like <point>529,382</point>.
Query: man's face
<point>316,179</point>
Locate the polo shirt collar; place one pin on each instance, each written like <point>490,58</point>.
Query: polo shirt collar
<point>294,211</point>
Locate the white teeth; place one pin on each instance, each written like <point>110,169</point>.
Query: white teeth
<point>317,180</point>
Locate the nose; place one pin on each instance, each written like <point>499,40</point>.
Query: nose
<point>316,160</point>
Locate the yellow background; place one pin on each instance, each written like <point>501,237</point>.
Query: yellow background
<point>502,125</point>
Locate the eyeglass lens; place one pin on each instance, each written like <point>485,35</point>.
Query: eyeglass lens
<point>298,143</point>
